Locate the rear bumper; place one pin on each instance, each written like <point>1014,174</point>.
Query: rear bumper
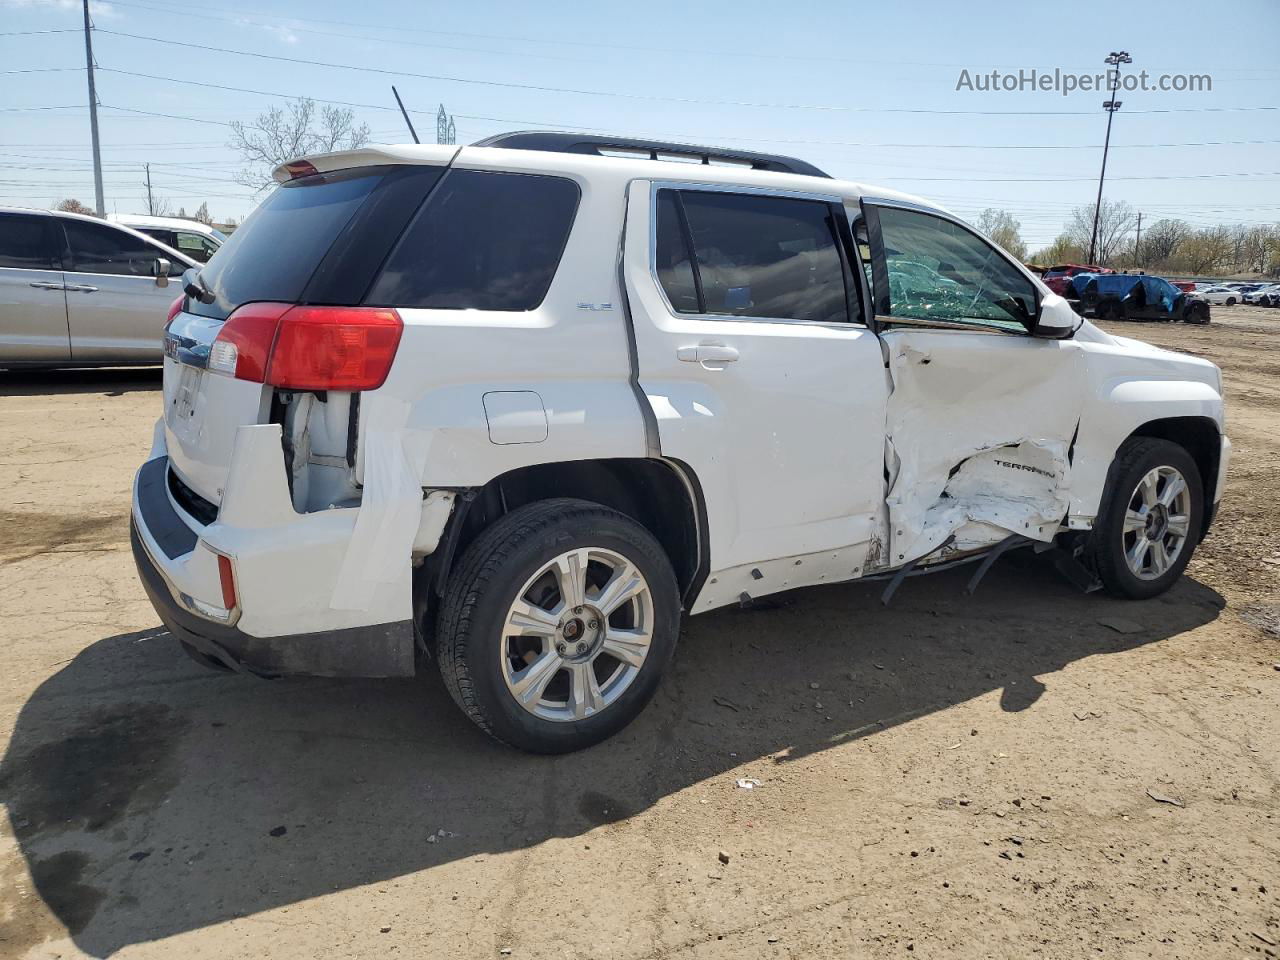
<point>375,651</point>
<point>286,568</point>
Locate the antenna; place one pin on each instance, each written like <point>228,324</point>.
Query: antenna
<point>412,132</point>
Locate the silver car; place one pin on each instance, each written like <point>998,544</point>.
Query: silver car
<point>78,291</point>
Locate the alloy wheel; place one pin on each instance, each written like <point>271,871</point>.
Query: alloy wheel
<point>577,634</point>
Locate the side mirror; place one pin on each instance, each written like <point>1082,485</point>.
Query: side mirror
<point>1056,320</point>
<point>161,269</point>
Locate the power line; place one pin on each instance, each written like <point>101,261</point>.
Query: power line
<point>584,128</point>
<point>508,85</point>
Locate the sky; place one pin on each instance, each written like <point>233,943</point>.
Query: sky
<point>867,91</point>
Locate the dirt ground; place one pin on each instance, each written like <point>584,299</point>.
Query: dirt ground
<point>951,777</point>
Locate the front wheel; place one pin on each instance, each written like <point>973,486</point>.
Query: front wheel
<point>557,624</point>
<point>1151,519</point>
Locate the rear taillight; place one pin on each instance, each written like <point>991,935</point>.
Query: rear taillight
<point>308,348</point>
<point>175,308</point>
<point>243,345</point>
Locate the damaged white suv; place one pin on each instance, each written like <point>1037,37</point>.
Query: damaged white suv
<point>516,406</point>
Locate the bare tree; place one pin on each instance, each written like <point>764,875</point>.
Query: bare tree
<point>281,135</point>
<point>1000,226</point>
<point>1161,240</point>
<point>1115,219</point>
<point>202,213</point>
<point>75,206</point>
<point>1261,243</point>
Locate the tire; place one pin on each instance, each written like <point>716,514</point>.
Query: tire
<point>1198,313</point>
<point>1111,311</point>
<point>1231,301</point>
<point>483,664</point>
<point>1113,546</point>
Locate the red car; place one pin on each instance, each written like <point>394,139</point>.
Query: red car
<point>1057,278</point>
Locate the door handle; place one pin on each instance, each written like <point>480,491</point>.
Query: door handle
<point>46,285</point>
<point>82,288</point>
<point>704,352</point>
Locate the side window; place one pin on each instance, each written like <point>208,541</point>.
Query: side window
<point>194,245</point>
<point>25,243</point>
<point>753,256</point>
<point>940,271</point>
<point>675,264</point>
<point>100,249</point>
<point>482,241</point>
<point>164,236</point>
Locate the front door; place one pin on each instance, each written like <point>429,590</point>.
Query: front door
<point>761,376</point>
<point>981,415</point>
<point>116,307</point>
<point>33,308</point>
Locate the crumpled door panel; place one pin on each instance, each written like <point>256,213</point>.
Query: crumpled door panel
<point>979,432</point>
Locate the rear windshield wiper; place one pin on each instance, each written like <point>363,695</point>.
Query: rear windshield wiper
<point>194,287</point>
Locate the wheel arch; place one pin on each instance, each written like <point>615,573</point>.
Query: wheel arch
<point>662,495</point>
<point>1202,439</point>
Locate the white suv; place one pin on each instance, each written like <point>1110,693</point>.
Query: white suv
<point>518,405</point>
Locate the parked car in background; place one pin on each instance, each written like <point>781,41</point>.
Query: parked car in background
<point>1264,296</point>
<point>1123,296</point>
<point>197,240</point>
<point>1223,296</point>
<point>79,291</point>
<point>1186,286</point>
<point>1058,278</point>
<point>715,382</point>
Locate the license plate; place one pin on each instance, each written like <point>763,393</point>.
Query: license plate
<point>184,397</point>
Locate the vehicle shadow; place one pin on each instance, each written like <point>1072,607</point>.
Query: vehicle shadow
<point>149,797</point>
<point>108,381</point>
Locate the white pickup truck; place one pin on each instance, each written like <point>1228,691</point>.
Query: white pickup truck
<point>515,406</point>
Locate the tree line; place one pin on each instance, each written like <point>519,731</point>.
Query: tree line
<point>1168,245</point>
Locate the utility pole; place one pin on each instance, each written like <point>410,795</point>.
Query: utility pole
<point>1111,106</point>
<point>151,207</point>
<point>1137,243</point>
<point>93,114</point>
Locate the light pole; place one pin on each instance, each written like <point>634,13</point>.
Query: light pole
<point>1111,106</point>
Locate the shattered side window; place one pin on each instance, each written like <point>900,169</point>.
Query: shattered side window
<point>940,271</point>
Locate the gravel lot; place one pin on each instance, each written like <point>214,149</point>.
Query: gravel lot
<point>950,777</point>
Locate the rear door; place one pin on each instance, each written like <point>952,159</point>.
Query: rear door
<point>116,305</point>
<point>33,309</point>
<point>761,376</point>
<point>982,414</point>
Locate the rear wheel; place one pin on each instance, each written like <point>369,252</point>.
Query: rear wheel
<point>1198,313</point>
<point>1151,519</point>
<point>1231,301</point>
<point>557,624</point>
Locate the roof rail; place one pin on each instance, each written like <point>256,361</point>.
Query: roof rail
<point>597,145</point>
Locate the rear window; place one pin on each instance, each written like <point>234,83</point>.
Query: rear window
<point>483,241</point>
<point>277,249</point>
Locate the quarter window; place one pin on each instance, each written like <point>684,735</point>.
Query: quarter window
<point>940,271</point>
<point>753,256</point>
<point>482,241</point>
<point>24,243</point>
<point>97,248</point>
